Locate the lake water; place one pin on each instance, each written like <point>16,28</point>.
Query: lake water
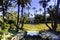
<point>32,33</point>
<point>43,34</point>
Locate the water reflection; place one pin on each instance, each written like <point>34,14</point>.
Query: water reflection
<point>29,37</point>
<point>32,33</point>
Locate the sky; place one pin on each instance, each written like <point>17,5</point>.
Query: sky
<point>34,3</point>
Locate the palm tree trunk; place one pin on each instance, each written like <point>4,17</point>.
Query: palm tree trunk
<point>18,14</point>
<point>22,18</point>
<point>3,12</point>
<point>56,17</point>
<point>17,26</point>
<point>3,15</point>
<point>46,19</point>
<point>51,20</point>
<point>6,7</point>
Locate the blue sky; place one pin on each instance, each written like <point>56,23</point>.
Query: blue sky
<point>34,3</point>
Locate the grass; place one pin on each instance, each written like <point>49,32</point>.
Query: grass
<point>38,27</point>
<point>58,28</point>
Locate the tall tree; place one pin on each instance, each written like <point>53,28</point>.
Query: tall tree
<point>18,2</point>
<point>44,4</point>
<point>56,16</point>
<point>52,12</point>
<point>23,3</point>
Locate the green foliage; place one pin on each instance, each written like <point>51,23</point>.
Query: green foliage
<point>9,24</point>
<point>10,21</point>
<point>11,18</point>
<point>23,3</point>
<point>1,32</point>
<point>38,18</point>
<point>6,27</point>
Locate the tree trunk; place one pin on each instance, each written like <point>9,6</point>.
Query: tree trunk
<point>3,12</point>
<point>51,20</point>
<point>4,6</point>
<point>56,17</point>
<point>17,26</point>
<point>22,23</point>
<point>3,15</point>
<point>45,20</point>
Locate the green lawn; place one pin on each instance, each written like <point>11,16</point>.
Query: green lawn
<point>37,27</point>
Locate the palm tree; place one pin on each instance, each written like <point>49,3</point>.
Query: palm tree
<point>23,3</point>
<point>56,16</point>
<point>17,27</point>
<point>44,4</point>
<point>51,11</point>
